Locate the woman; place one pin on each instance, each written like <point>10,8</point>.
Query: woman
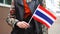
<point>20,14</point>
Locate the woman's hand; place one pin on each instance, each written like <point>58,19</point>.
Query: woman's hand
<point>23,24</point>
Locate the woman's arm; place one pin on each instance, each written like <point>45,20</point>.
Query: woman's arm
<point>11,16</point>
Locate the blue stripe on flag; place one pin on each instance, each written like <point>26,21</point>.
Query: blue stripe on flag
<point>44,17</point>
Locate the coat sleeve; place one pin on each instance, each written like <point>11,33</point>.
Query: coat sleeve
<point>11,16</point>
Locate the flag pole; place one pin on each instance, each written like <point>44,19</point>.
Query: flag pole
<point>30,19</point>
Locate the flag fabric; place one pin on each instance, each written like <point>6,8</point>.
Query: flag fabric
<point>44,16</point>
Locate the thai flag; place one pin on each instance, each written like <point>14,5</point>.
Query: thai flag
<point>44,16</point>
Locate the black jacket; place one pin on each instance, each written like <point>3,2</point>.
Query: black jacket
<point>36,28</point>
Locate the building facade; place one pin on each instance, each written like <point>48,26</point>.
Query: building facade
<point>4,10</point>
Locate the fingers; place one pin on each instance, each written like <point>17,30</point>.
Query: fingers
<point>26,24</point>
<point>23,24</point>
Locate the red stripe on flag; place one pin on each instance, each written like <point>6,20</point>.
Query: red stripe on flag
<point>48,12</point>
<point>40,21</point>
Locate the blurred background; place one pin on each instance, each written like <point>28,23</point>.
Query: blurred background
<point>4,10</point>
<point>6,29</point>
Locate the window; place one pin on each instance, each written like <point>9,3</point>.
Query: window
<point>1,1</point>
<point>8,2</point>
<point>5,3</point>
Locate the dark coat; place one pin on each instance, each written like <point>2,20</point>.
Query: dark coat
<point>36,28</point>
